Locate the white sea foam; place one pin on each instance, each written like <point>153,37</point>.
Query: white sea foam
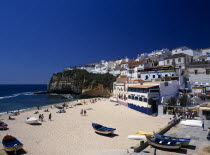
<point>18,94</point>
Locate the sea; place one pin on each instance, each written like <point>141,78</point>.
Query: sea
<point>22,97</point>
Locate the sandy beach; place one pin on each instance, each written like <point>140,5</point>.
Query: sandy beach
<point>72,134</point>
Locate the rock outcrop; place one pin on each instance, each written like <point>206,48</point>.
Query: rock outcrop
<point>81,84</point>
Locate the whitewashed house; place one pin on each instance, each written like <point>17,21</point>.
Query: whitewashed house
<point>152,73</point>
<point>177,60</point>
<point>186,50</point>
<point>142,57</point>
<point>147,96</point>
<point>135,68</point>
<point>198,74</point>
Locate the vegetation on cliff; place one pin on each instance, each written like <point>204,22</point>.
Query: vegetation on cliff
<point>81,82</point>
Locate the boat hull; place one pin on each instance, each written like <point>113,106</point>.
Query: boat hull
<point>13,148</point>
<point>10,143</point>
<point>161,146</point>
<point>32,120</point>
<point>137,137</point>
<point>183,141</point>
<point>102,129</point>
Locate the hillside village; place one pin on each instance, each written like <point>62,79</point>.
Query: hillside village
<point>149,82</point>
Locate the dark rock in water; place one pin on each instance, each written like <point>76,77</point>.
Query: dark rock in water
<point>81,84</point>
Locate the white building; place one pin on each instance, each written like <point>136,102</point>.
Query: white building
<point>186,50</point>
<point>198,74</point>
<point>147,96</point>
<point>177,60</point>
<point>152,73</point>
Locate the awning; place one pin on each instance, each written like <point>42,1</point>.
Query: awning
<point>143,86</point>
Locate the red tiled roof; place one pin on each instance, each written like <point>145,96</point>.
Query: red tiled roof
<point>138,80</point>
<point>135,63</point>
<point>122,68</point>
<point>123,76</point>
<point>206,48</point>
<point>124,63</point>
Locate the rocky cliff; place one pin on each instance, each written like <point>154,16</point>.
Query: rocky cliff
<point>81,84</point>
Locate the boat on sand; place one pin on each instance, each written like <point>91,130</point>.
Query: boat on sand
<point>102,129</point>
<point>11,143</point>
<point>137,137</point>
<point>32,120</point>
<point>184,141</point>
<point>163,144</point>
<point>144,133</point>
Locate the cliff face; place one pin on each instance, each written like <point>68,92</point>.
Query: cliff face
<point>81,84</point>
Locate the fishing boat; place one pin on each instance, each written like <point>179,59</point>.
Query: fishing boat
<point>102,129</point>
<point>184,141</point>
<point>163,144</point>
<point>10,143</point>
<point>195,123</point>
<point>144,133</point>
<point>137,137</point>
<point>32,120</point>
<point>3,125</point>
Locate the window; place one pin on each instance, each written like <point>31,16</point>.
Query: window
<point>140,98</point>
<point>196,72</point>
<point>132,97</point>
<point>166,75</point>
<point>153,76</point>
<point>129,96</point>
<point>145,99</point>
<point>136,98</point>
<point>207,71</point>
<point>146,77</point>
<point>167,61</point>
<point>179,60</point>
<point>139,76</point>
<point>159,76</point>
<point>172,74</point>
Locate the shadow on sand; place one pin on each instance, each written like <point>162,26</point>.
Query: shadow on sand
<point>181,150</point>
<point>2,129</point>
<point>107,135</point>
<point>36,124</point>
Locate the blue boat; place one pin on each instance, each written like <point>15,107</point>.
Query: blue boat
<point>183,141</point>
<point>10,143</point>
<point>102,129</point>
<point>163,144</point>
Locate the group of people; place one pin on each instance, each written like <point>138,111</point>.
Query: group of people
<point>83,112</point>
<point>41,117</point>
<point>94,100</point>
<point>172,120</point>
<point>189,115</point>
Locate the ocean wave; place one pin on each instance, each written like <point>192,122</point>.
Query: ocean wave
<point>18,94</point>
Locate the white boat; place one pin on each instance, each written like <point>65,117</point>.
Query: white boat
<point>137,137</point>
<point>32,120</point>
<point>192,123</point>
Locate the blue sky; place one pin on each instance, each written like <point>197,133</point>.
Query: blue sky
<point>40,37</point>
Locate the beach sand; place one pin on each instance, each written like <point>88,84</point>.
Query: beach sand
<point>72,134</point>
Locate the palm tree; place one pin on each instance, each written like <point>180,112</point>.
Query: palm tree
<point>172,102</point>
<point>184,101</point>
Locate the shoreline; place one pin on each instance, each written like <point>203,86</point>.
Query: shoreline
<point>72,133</point>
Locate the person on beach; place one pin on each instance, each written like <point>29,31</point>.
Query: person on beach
<point>171,121</point>
<point>50,116</point>
<point>203,124</point>
<point>40,116</point>
<point>85,112</point>
<point>81,112</point>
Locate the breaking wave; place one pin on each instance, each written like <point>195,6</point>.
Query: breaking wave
<point>16,95</point>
